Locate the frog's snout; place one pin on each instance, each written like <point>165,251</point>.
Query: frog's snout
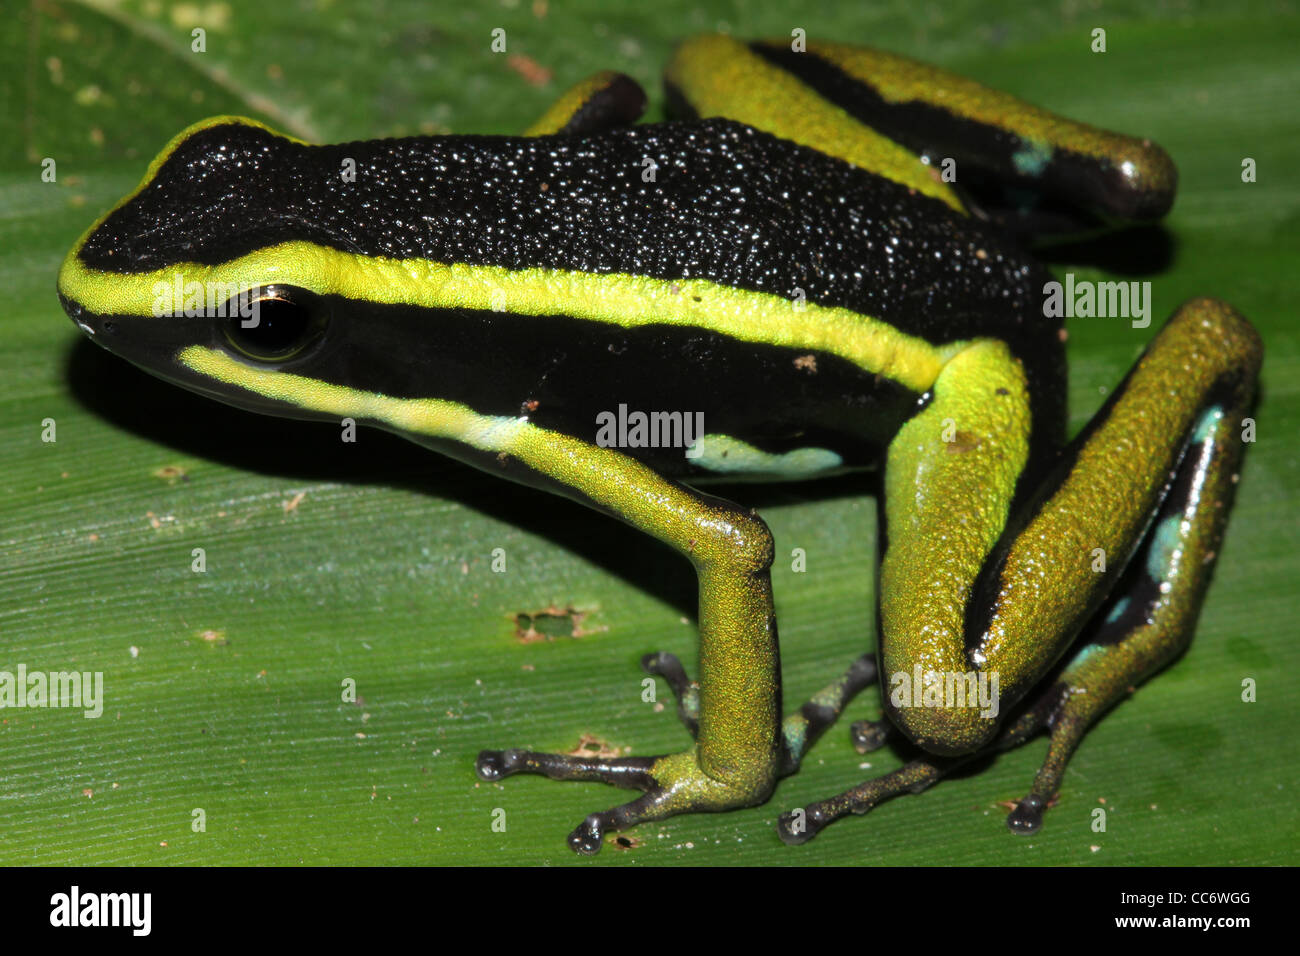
<point>94,326</point>
<point>75,313</point>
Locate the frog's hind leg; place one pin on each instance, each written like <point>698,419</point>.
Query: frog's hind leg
<point>1146,617</point>
<point>1150,620</point>
<point>1100,675</point>
<point>1032,171</point>
<point>802,824</point>
<point>1145,628</point>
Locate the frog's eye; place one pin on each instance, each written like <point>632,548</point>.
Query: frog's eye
<point>274,323</point>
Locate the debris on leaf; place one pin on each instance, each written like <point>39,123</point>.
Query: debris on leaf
<point>592,746</point>
<point>551,623</point>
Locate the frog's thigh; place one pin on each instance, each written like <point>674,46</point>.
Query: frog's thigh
<point>985,137</point>
<point>1071,539</point>
<point>737,754</point>
<point>950,477</point>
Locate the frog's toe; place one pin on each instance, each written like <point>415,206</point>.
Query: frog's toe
<point>686,691</point>
<point>869,735</point>
<point>588,836</point>
<point>1027,817</point>
<point>810,721</point>
<point>802,823</point>
<point>494,764</point>
<point>630,772</point>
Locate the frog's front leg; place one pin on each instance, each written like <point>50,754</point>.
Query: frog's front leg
<point>800,729</point>
<point>1116,545</point>
<point>602,101</point>
<point>738,752</point>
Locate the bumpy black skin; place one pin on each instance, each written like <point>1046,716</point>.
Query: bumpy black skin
<point>726,203</point>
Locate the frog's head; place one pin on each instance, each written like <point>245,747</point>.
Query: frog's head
<point>226,271</point>
<point>195,259</point>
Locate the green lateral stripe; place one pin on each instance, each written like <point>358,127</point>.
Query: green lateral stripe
<point>617,299</point>
<point>433,417</point>
<point>720,76</point>
<point>608,477</point>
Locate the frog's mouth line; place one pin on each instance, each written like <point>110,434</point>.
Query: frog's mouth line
<point>153,346</point>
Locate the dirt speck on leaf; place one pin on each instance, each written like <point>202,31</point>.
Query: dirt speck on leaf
<point>171,474</point>
<point>551,623</point>
<point>592,746</point>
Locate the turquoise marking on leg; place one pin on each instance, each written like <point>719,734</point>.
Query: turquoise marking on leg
<point>1169,535</point>
<point>1032,160</point>
<point>1205,427</point>
<point>1120,607</point>
<point>1166,545</point>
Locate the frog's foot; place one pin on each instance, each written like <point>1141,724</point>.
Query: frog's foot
<point>674,783</point>
<point>810,721</point>
<point>802,824</point>
<point>1065,709</point>
<point>677,783</point>
<point>665,665</point>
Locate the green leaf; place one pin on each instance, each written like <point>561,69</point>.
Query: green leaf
<point>223,690</point>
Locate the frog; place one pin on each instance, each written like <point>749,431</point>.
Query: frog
<point>820,264</point>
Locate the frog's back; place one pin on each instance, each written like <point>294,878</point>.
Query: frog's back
<point>763,226</point>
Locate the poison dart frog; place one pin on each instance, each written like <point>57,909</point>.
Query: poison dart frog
<point>818,264</point>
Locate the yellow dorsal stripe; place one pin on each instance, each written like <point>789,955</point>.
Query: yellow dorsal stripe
<point>616,298</point>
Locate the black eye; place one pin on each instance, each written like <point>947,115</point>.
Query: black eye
<point>275,322</point>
